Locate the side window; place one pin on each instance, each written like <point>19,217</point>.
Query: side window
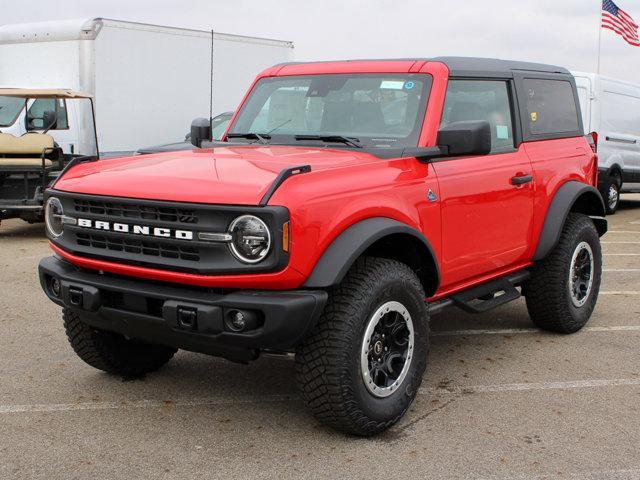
<point>41,105</point>
<point>550,107</point>
<point>481,100</point>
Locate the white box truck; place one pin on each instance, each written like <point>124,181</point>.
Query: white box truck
<point>149,81</point>
<point>611,110</point>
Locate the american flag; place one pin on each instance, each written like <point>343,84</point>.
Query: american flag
<point>616,19</point>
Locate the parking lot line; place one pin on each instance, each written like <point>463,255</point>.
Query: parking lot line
<point>235,400</point>
<point>134,404</point>
<point>623,231</point>
<point>620,292</point>
<point>512,331</point>
<point>620,243</point>
<point>618,270</point>
<point>621,254</point>
<point>626,474</point>
<point>519,387</point>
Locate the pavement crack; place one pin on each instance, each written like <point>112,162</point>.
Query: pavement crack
<point>398,433</point>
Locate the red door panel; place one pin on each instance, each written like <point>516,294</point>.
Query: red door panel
<point>487,222</point>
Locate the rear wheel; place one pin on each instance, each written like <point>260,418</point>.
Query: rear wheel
<point>112,352</point>
<point>361,366</point>
<point>563,289</point>
<point>611,193</point>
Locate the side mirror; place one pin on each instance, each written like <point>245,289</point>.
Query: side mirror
<point>49,120</point>
<point>200,131</point>
<point>466,138</point>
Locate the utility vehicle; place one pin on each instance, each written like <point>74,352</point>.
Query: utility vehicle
<point>32,159</point>
<point>365,196</point>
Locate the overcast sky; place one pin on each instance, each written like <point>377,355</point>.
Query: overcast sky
<point>563,32</point>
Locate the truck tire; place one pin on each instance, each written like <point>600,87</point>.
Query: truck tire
<point>112,352</point>
<point>611,193</point>
<point>563,289</point>
<point>361,366</point>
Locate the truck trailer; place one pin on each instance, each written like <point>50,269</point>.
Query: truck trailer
<point>148,81</point>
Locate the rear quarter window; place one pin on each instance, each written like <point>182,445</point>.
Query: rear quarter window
<point>550,107</point>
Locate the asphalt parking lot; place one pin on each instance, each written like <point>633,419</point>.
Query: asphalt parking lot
<point>499,400</point>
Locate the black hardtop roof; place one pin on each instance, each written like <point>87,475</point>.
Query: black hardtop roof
<point>470,66</point>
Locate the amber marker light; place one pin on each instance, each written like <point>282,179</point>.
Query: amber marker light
<point>285,237</point>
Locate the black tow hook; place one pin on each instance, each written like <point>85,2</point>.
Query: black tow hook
<point>75,296</point>
<point>187,318</point>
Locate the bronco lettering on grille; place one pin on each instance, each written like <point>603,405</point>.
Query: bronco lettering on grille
<point>136,229</point>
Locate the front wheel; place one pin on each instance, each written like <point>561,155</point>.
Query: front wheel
<point>362,364</point>
<point>563,289</point>
<point>112,352</point>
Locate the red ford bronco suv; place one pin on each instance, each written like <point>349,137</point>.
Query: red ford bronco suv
<point>353,200</point>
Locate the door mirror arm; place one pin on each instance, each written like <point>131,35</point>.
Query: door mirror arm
<point>425,154</point>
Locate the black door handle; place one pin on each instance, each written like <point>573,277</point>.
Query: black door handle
<point>521,180</point>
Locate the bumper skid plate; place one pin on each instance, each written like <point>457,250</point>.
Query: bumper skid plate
<point>194,319</point>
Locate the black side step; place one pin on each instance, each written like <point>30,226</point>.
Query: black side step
<point>491,294</point>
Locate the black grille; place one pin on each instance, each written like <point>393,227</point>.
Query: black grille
<point>136,212</point>
<point>139,247</point>
<point>110,243</point>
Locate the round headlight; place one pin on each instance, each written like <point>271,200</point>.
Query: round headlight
<point>53,214</point>
<point>251,239</point>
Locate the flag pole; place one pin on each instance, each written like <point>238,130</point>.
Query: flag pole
<point>599,38</point>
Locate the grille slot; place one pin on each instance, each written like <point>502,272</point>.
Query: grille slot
<point>138,247</point>
<point>136,212</point>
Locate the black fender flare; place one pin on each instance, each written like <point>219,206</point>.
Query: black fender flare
<point>563,202</point>
<point>344,250</point>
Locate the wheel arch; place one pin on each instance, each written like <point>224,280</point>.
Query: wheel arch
<point>572,196</point>
<point>380,237</point>
<point>614,169</point>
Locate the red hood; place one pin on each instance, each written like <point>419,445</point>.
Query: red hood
<point>229,175</point>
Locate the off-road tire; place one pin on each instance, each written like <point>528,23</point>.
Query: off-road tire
<point>548,292</point>
<point>328,361</point>
<point>613,181</point>
<point>112,352</point>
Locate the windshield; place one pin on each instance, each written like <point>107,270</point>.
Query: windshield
<point>10,108</point>
<point>374,110</point>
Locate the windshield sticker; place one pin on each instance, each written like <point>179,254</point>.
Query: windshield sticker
<point>392,84</point>
<point>502,132</point>
<point>409,85</point>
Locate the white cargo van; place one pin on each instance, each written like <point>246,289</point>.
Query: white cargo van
<point>148,81</point>
<point>611,109</point>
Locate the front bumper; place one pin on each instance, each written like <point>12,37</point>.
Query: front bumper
<point>156,312</point>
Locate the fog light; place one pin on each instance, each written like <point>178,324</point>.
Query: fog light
<point>236,321</point>
<point>55,286</point>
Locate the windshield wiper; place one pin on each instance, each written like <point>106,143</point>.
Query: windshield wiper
<point>261,137</point>
<point>351,141</point>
